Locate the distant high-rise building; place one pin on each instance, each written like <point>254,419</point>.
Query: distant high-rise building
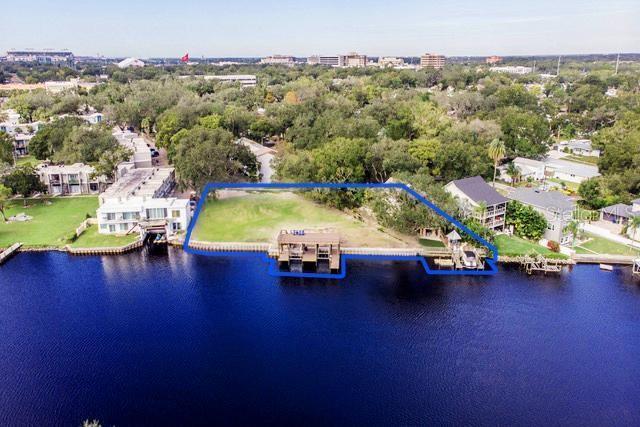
<point>330,60</point>
<point>278,60</point>
<point>390,61</point>
<point>42,56</point>
<point>491,60</point>
<point>348,60</point>
<point>432,60</point>
<point>353,60</point>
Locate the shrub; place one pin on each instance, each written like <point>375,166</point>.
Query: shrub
<point>553,246</point>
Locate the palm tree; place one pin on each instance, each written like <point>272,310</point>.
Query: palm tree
<point>573,228</point>
<point>481,210</point>
<point>514,172</point>
<point>497,151</point>
<point>635,224</point>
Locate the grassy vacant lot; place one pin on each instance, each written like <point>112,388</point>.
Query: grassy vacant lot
<point>515,246</point>
<point>52,223</point>
<point>600,245</point>
<point>92,239</point>
<point>258,217</point>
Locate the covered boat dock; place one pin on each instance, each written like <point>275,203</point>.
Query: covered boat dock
<point>299,247</point>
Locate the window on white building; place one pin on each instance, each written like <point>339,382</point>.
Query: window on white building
<point>157,213</point>
<point>175,214</point>
<point>130,215</point>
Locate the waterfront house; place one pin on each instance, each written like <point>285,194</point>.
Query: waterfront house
<point>557,208</point>
<point>74,179</point>
<point>620,213</point>
<point>121,216</point>
<point>140,198</point>
<point>480,201</point>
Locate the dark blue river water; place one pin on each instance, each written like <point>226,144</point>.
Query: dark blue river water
<point>189,340</point>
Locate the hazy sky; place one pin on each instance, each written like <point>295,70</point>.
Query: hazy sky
<point>301,27</point>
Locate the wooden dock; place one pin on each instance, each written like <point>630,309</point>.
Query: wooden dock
<point>295,248</point>
<point>4,255</point>
<point>539,264</point>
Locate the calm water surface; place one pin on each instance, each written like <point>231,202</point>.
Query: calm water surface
<point>187,340</point>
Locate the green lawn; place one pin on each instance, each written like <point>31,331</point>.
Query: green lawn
<point>27,160</point>
<point>588,160</point>
<point>92,239</point>
<point>53,220</point>
<point>430,243</point>
<point>600,245</point>
<point>259,217</point>
<point>515,246</point>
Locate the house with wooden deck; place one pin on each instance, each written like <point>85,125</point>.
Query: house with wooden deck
<point>480,201</point>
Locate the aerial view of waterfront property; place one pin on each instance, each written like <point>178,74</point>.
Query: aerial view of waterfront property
<point>416,213</point>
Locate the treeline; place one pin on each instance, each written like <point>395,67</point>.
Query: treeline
<point>357,125</point>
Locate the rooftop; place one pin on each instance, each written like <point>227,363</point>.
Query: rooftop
<point>550,200</point>
<point>619,209</point>
<point>136,204</point>
<point>62,169</point>
<point>584,144</point>
<point>138,182</point>
<point>256,148</point>
<point>478,190</point>
<point>309,238</point>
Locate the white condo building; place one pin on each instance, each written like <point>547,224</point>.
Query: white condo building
<point>139,199</point>
<point>74,179</point>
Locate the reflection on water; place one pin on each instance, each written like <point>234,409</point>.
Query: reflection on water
<point>182,339</point>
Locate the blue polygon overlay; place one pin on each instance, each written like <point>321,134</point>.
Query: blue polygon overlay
<point>273,268</point>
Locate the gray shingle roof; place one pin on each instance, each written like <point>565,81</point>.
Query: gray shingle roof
<point>479,191</point>
<point>620,209</point>
<point>551,200</point>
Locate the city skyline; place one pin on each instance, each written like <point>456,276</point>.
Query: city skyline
<point>251,29</point>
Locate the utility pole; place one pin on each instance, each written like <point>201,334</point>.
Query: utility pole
<point>558,69</point>
<point>617,64</point>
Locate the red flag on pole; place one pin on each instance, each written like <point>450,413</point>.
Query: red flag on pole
<point>185,58</point>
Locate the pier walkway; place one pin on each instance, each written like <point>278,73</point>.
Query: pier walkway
<point>4,255</point>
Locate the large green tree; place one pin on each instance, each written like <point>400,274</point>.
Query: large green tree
<point>51,136</point>
<point>526,221</point>
<point>86,145</point>
<point>525,133</point>
<point>204,155</point>
<point>6,148</point>
<point>23,181</point>
<point>5,194</point>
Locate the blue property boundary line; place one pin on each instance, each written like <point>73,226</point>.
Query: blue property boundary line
<point>272,263</point>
